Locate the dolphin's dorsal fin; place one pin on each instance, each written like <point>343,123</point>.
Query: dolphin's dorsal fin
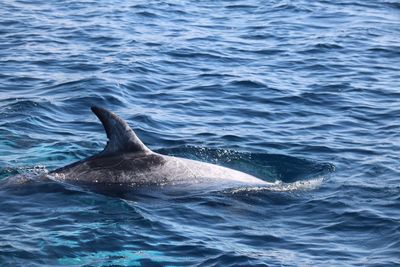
<point>121,138</point>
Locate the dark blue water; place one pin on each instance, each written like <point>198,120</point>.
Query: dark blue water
<point>306,95</point>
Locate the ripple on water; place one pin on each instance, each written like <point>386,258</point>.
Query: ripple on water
<point>308,91</point>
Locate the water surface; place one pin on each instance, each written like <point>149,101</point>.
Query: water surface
<point>304,95</point>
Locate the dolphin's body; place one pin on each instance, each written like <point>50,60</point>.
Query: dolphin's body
<point>127,161</point>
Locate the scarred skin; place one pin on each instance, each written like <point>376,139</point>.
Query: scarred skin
<point>148,168</point>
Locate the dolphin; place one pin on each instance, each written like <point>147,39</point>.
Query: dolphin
<point>126,161</point>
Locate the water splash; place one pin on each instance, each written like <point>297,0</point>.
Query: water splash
<point>279,186</point>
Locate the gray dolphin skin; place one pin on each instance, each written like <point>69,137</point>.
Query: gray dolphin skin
<point>127,161</point>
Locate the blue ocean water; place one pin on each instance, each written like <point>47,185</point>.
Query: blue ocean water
<point>303,94</point>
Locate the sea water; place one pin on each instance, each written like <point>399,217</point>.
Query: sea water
<point>303,94</point>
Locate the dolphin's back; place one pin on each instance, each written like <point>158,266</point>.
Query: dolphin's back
<point>152,168</point>
<point>126,160</point>
<point>137,168</point>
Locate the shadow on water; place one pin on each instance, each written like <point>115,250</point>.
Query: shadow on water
<point>127,226</point>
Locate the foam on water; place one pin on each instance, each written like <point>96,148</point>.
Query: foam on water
<point>279,186</point>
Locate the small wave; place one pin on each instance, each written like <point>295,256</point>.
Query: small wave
<point>147,14</point>
<point>249,83</point>
<point>22,175</point>
<point>34,170</point>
